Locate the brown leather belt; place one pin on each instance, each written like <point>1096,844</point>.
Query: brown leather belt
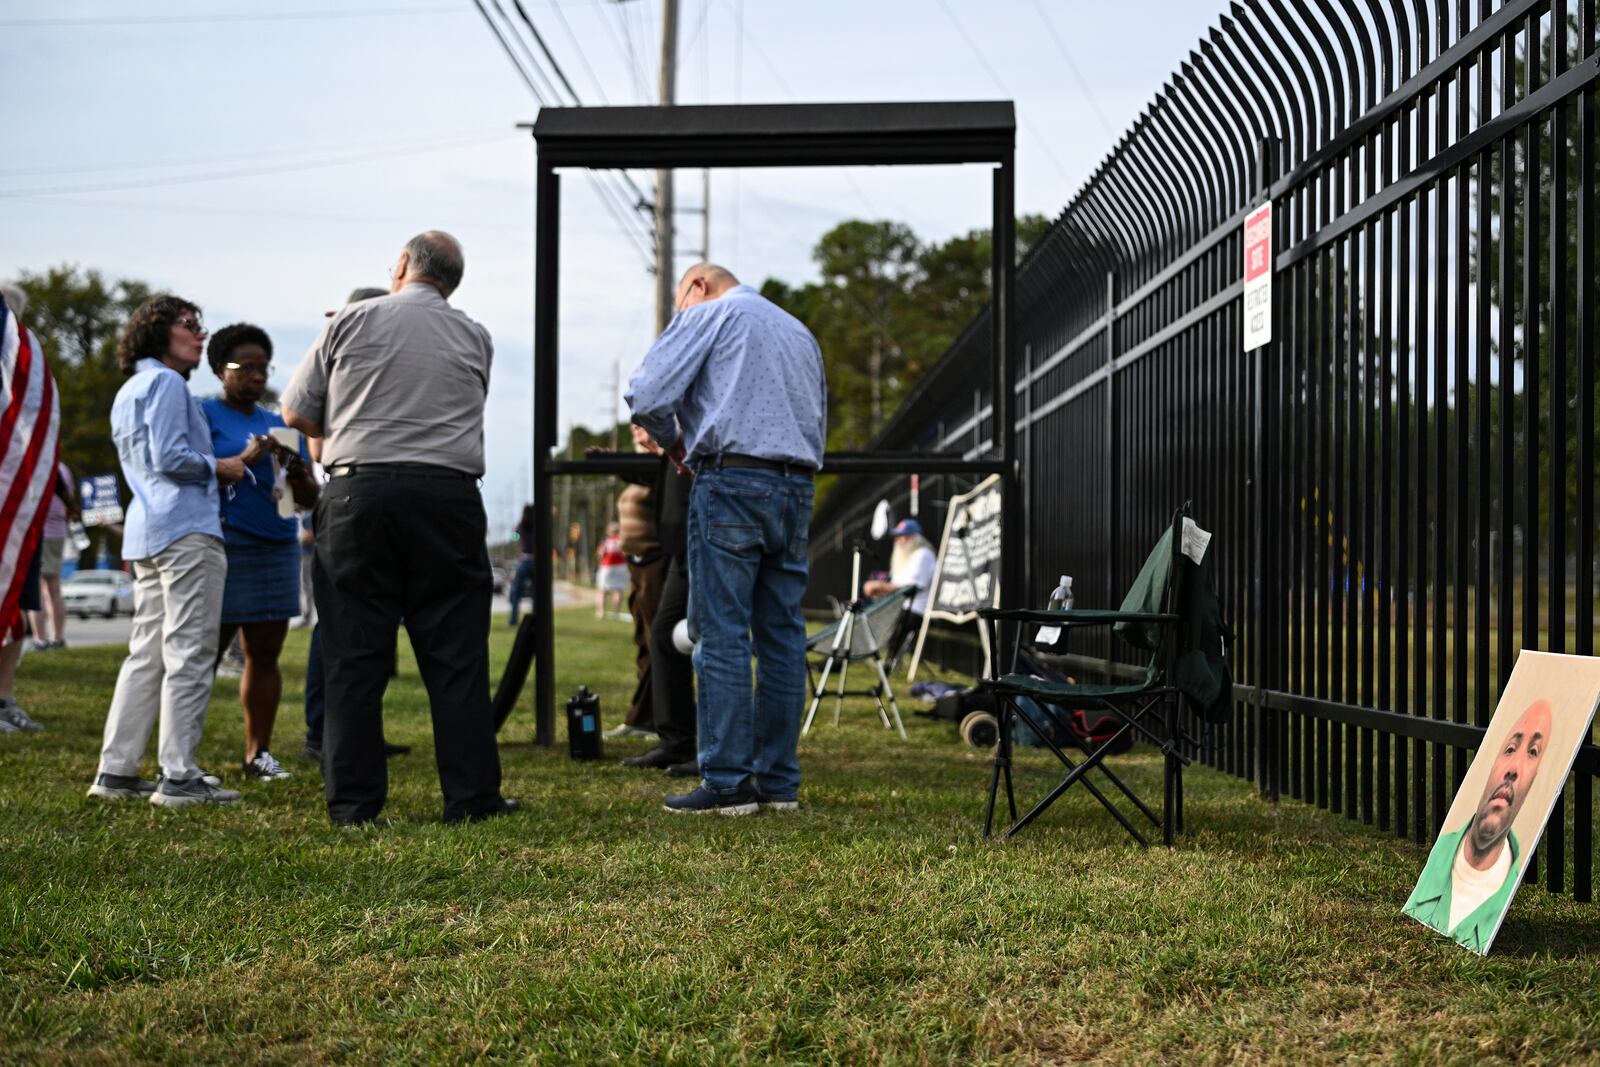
<point>739,459</point>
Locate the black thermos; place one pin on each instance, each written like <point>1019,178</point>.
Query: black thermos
<point>583,724</point>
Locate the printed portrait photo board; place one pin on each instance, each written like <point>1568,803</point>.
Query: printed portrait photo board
<point>1500,810</point>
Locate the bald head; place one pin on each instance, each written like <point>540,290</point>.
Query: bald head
<point>1511,775</point>
<point>433,257</point>
<point>702,282</point>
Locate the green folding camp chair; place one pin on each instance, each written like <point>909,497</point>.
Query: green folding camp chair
<point>1170,612</point>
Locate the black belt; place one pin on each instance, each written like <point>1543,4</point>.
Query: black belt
<point>739,459</point>
<point>408,470</point>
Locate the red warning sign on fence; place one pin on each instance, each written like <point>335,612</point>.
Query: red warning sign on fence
<point>1258,277</point>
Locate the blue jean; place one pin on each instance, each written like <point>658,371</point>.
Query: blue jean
<point>521,582</point>
<point>748,531</point>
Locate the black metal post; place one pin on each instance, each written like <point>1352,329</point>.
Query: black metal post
<point>1013,524</point>
<point>1266,629</point>
<point>546,290</point>
<point>1112,496</point>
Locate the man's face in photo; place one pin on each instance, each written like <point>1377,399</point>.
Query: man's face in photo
<point>1511,775</point>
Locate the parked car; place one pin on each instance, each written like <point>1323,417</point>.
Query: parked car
<point>105,593</point>
<point>497,574</point>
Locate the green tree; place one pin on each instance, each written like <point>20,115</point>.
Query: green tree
<point>77,315</point>
<point>886,307</point>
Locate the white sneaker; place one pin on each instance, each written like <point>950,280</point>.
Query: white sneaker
<point>622,730</point>
<point>265,767</point>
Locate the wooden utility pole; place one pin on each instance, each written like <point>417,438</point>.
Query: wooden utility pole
<point>666,276</point>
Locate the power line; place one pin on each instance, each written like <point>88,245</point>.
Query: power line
<point>511,55</point>
<point>252,16</point>
<point>532,64</point>
<point>538,39</point>
<point>320,218</point>
<point>246,172</point>
<point>1000,83</point>
<point>1072,67</point>
<point>772,69</point>
<point>238,157</point>
<point>607,195</point>
<point>572,93</point>
<point>583,56</point>
<point>635,67</point>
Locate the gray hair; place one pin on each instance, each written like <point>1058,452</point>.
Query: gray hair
<point>435,254</point>
<point>14,298</point>
<point>366,292</point>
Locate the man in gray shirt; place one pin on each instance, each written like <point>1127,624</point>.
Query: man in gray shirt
<point>395,386</point>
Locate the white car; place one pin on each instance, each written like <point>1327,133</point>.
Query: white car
<point>98,593</point>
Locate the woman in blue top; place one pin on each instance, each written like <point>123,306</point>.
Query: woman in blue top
<point>263,588</point>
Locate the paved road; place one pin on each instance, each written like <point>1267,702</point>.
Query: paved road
<point>83,633</point>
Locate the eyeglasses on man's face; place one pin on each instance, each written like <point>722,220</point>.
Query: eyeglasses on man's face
<point>193,325</point>
<point>263,369</point>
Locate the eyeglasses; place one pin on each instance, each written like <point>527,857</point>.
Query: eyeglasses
<point>265,369</point>
<point>194,326</point>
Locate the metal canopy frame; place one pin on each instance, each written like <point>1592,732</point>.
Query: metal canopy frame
<point>766,135</point>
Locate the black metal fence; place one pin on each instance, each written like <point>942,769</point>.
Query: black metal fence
<point>1402,484</point>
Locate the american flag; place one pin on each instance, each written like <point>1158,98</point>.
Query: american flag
<point>30,420</point>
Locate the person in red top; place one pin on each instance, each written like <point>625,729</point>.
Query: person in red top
<point>612,576</point>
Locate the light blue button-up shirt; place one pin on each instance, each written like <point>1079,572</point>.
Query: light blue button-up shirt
<point>737,374</point>
<point>165,445</point>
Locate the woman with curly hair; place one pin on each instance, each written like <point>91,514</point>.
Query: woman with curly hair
<point>263,587</point>
<point>173,539</point>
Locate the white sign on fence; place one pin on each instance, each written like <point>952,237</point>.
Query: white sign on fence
<point>1258,277</point>
<point>967,576</point>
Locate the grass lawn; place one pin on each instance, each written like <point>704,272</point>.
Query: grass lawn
<point>874,926</point>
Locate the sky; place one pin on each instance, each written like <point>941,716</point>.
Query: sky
<point>262,159</point>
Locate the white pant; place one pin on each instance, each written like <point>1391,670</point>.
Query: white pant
<point>172,653</point>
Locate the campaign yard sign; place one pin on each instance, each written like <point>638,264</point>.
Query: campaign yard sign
<point>966,577</point>
<point>101,505</point>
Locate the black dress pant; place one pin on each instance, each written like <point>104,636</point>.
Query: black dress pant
<point>392,544</point>
<point>672,672</point>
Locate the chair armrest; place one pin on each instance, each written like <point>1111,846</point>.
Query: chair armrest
<point>1075,617</point>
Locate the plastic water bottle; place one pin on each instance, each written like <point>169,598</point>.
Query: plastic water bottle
<point>1060,600</point>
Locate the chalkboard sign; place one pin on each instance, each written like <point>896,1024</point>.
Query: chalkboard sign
<point>101,505</point>
<point>967,576</point>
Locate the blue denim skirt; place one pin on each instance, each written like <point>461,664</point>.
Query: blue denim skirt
<point>263,581</point>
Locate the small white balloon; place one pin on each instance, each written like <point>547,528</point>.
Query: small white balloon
<point>880,520</point>
<point>680,637</point>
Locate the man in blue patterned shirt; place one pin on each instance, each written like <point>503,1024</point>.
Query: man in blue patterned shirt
<point>734,389</point>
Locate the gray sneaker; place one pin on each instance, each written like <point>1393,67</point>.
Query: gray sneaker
<point>121,787</point>
<point>189,792</point>
<point>18,719</point>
